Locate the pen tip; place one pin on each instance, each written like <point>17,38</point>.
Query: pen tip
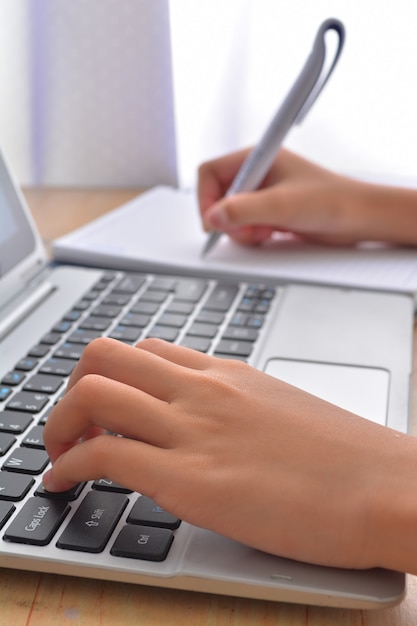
<point>211,241</point>
<point>204,251</point>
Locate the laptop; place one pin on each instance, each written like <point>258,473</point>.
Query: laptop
<point>352,347</point>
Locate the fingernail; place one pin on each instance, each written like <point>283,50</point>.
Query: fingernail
<point>48,481</point>
<point>216,217</point>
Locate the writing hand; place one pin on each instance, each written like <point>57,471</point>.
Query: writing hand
<point>306,200</point>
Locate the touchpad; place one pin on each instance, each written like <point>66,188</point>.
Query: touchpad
<point>361,390</point>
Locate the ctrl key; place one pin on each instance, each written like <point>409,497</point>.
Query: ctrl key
<point>37,521</point>
<point>143,542</point>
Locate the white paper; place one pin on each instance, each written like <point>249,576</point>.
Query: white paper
<point>161,230</point>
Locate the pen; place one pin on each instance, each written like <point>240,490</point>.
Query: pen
<point>292,111</point>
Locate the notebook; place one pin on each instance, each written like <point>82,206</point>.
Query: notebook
<point>352,347</point>
<point>162,227</point>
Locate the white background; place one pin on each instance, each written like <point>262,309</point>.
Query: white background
<point>365,120</point>
<point>130,92</point>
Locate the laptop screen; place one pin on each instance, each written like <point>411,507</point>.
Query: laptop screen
<point>16,235</point>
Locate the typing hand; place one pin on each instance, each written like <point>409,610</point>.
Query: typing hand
<point>231,449</point>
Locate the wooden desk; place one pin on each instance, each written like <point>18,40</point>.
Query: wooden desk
<point>32,599</point>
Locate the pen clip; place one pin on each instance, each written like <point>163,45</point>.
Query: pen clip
<point>319,49</point>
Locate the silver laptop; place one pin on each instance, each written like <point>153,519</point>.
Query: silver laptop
<point>352,347</point>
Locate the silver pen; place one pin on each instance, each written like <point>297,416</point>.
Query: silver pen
<point>292,111</point>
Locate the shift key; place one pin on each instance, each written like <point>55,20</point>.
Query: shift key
<point>93,523</point>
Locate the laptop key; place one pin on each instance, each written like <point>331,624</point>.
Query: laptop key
<point>247,304</point>
<point>71,351</point>
<point>105,484</point>
<point>93,523</point>
<point>234,347</point>
<point>82,305</point>
<point>196,343</point>
<point>83,336</point>
<point>14,422</point>
<point>28,402</point>
<point>105,279</point>
<point>126,333</point>
<point>37,521</point>
<point>135,319</point>
<point>106,310</point>
<point>6,442</point>
<point>190,289</point>
<point>145,307</point>
<point>129,284</point>
<point>51,339</point>
<point>96,323</point>
<point>146,512</point>
<point>6,510</point>
<point>163,283</point>
<point>93,294</point>
<point>202,330</point>
<point>221,298</point>
<point>57,367</point>
<point>180,306</point>
<point>163,332</point>
<point>39,351</point>
<point>26,461</point>
<point>172,319</point>
<point>14,486</point>
<point>72,316</point>
<point>154,295</point>
<point>255,321</point>
<point>143,542</point>
<point>27,364</point>
<point>119,299</point>
<point>62,327</point>
<point>34,438</point>
<point>238,332</point>
<point>69,495</point>
<point>13,378</point>
<point>210,317</point>
<point>5,392</point>
<point>262,307</point>
<point>43,383</point>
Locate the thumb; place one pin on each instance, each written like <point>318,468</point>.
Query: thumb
<point>279,206</point>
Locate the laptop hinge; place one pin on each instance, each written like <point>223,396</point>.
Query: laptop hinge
<point>33,299</point>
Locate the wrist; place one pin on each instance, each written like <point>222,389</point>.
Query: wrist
<point>393,512</point>
<point>383,213</point>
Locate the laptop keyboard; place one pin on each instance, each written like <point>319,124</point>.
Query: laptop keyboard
<point>224,319</point>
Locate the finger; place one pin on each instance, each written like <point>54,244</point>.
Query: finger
<point>126,462</point>
<point>179,355</point>
<point>273,206</point>
<point>97,402</point>
<point>251,235</point>
<point>216,176</point>
<point>142,369</point>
